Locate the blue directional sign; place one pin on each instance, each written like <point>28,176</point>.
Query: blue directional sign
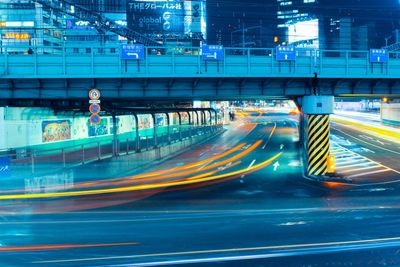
<point>132,51</point>
<point>212,52</point>
<point>378,55</point>
<point>5,167</point>
<point>286,53</point>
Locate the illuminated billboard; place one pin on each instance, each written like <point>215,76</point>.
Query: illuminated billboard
<point>303,31</point>
<point>155,18</point>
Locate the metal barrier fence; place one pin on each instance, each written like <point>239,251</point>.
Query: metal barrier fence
<point>179,51</point>
<point>29,161</point>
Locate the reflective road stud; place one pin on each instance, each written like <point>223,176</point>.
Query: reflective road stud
<point>318,144</point>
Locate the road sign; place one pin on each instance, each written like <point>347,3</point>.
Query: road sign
<point>94,101</point>
<point>378,55</point>
<point>132,51</point>
<point>94,94</point>
<point>5,167</point>
<point>286,53</point>
<point>94,108</point>
<point>95,119</point>
<point>212,52</point>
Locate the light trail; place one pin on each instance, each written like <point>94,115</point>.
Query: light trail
<point>389,134</point>
<point>243,249</point>
<point>67,246</point>
<point>137,187</point>
<point>106,182</point>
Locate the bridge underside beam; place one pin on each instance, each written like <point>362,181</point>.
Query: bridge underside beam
<point>188,88</point>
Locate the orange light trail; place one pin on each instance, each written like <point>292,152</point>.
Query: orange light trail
<point>139,187</point>
<point>123,179</point>
<point>179,174</point>
<point>51,247</point>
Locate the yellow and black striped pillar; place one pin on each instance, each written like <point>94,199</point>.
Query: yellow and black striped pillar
<point>318,144</point>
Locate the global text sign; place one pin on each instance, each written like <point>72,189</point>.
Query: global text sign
<point>156,17</point>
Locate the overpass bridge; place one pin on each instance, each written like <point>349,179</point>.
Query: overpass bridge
<point>180,73</point>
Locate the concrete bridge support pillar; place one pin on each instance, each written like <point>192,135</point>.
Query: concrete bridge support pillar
<point>316,110</point>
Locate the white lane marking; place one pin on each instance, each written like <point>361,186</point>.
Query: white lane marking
<point>276,165</point>
<point>292,223</point>
<point>346,160</point>
<point>243,249</point>
<point>342,153</point>
<point>349,126</point>
<point>251,164</point>
<point>367,173</point>
<point>205,165</point>
<point>389,150</point>
<point>370,159</point>
<point>380,142</point>
<point>361,169</point>
<point>270,136</point>
<point>352,165</point>
<point>367,150</point>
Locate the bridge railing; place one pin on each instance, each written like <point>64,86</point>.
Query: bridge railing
<point>105,61</point>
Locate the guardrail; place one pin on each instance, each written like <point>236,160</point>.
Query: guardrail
<point>105,61</point>
<point>71,156</point>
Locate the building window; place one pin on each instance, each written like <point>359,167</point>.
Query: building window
<point>88,50</point>
<point>76,50</point>
<point>112,50</point>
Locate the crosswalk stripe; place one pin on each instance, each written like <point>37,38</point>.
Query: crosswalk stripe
<point>352,165</point>
<point>361,169</point>
<point>367,173</point>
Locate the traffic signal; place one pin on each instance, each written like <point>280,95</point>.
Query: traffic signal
<point>331,163</point>
<point>276,39</point>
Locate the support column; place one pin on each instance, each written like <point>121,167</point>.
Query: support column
<point>203,118</point>
<point>115,139</point>
<point>153,115</point>
<point>190,123</point>
<point>317,110</point>
<point>168,129</point>
<point>137,132</point>
<point>210,116</point>
<point>216,117</point>
<point>318,144</point>
<point>180,126</point>
<point>197,118</point>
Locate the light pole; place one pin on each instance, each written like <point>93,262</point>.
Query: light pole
<point>244,30</point>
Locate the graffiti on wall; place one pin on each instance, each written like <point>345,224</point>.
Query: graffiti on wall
<point>56,130</point>
<point>98,129</point>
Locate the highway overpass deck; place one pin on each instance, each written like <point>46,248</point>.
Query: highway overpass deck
<point>63,72</point>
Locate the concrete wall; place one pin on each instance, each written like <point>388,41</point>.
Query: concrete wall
<point>32,127</point>
<point>390,113</point>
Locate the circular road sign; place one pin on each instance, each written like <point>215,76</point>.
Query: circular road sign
<point>94,108</point>
<point>95,119</point>
<point>94,94</point>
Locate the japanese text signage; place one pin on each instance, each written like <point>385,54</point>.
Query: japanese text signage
<point>132,51</point>
<point>156,17</point>
<point>285,53</point>
<point>378,55</point>
<point>212,52</point>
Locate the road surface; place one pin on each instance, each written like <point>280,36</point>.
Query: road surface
<point>239,200</point>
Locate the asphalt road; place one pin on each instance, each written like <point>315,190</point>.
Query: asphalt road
<point>238,200</point>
